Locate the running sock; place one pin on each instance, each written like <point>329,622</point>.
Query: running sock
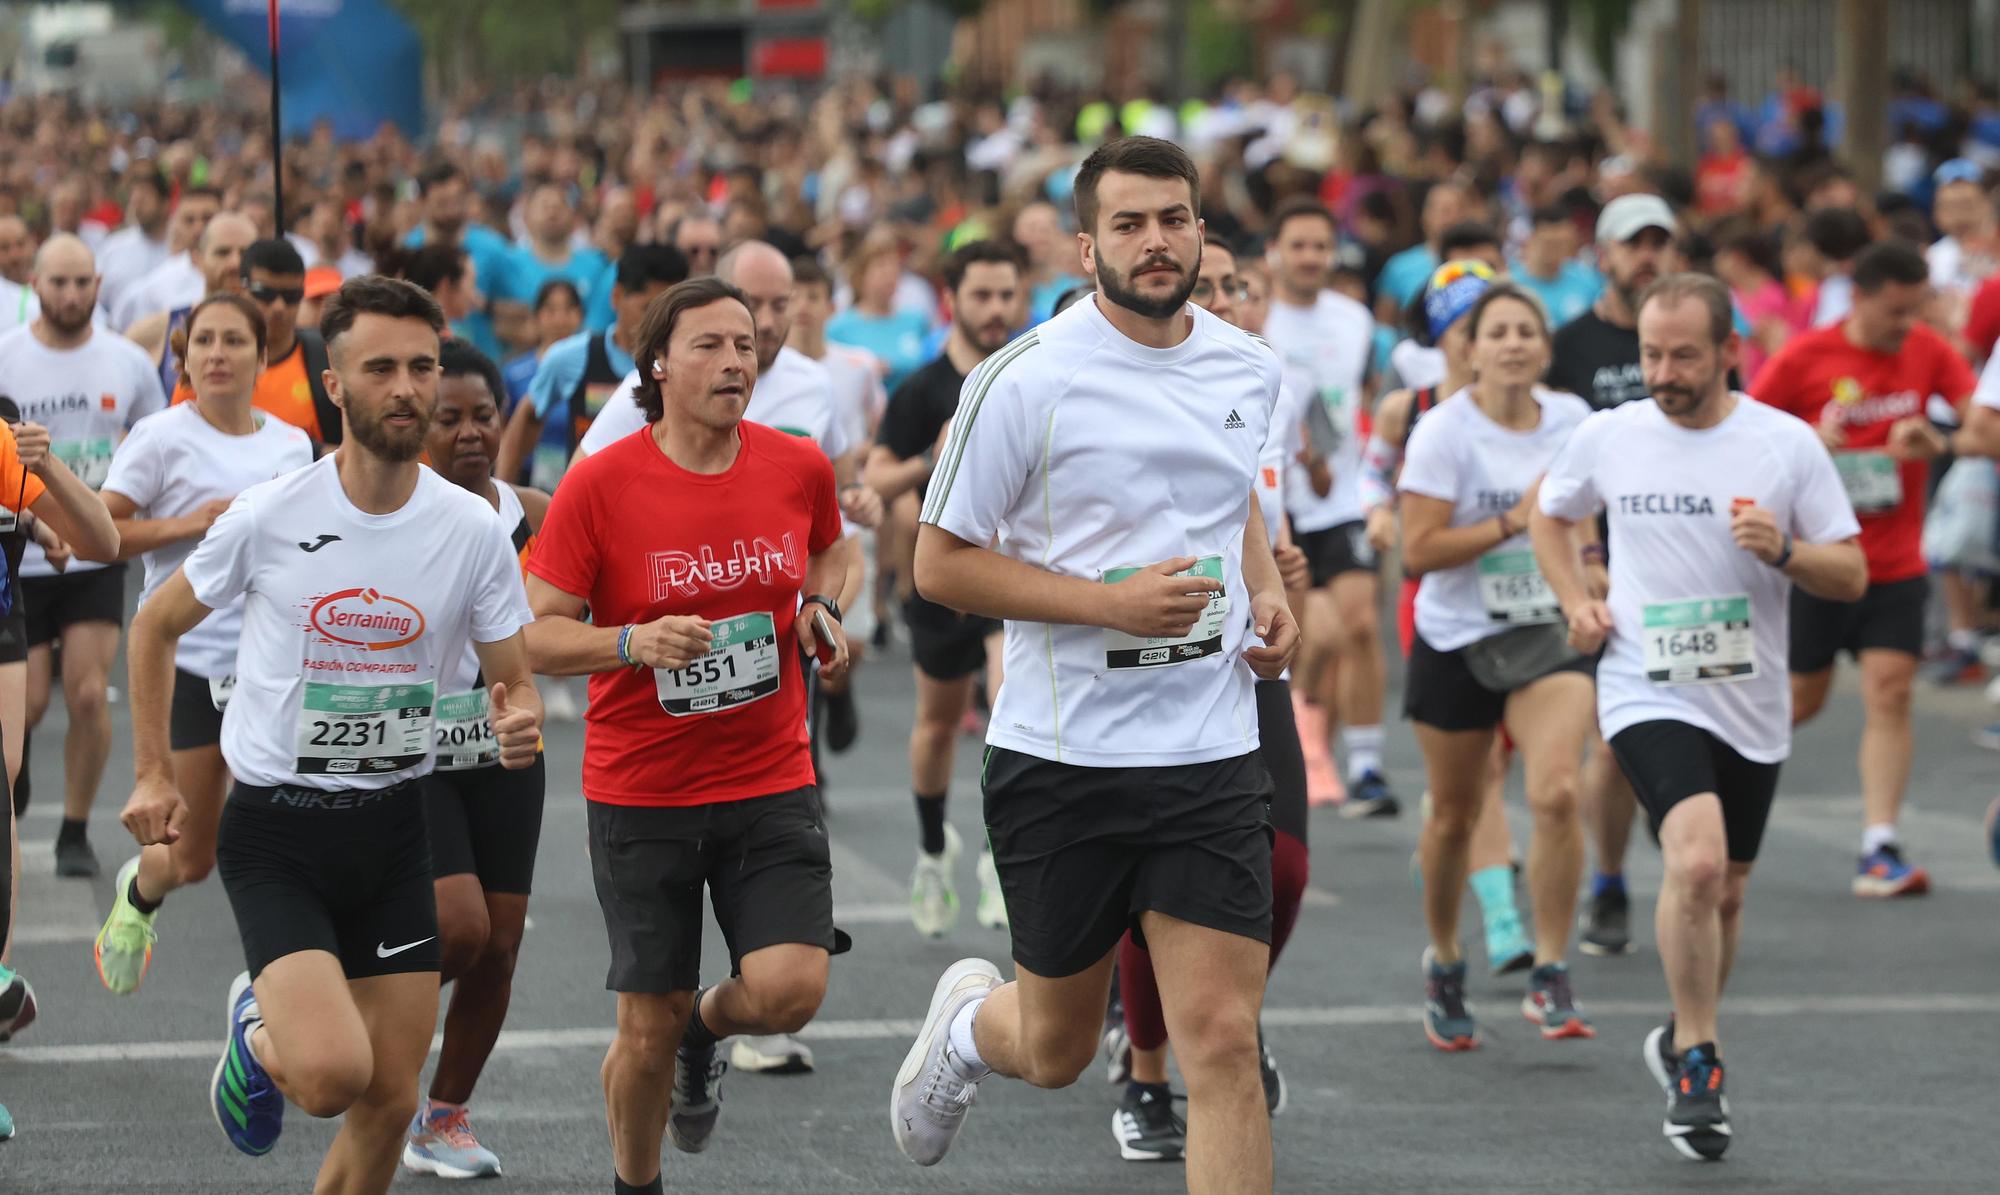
<point>1601,884</point>
<point>620,1187</point>
<point>1877,836</point>
<point>73,830</point>
<point>1138,1090</point>
<point>139,902</point>
<point>930,822</point>
<point>1289,869</point>
<point>1494,886</point>
<point>964,1056</point>
<point>1364,750</point>
<point>1145,1020</point>
<point>1962,640</point>
<point>698,1036</point>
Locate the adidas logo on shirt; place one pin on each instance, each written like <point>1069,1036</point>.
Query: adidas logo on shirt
<point>1234,422</point>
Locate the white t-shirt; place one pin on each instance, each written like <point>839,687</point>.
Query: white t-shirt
<point>1667,492</point>
<point>795,396</point>
<point>173,284</point>
<point>1325,351</point>
<point>1419,367</point>
<point>86,396</point>
<point>1987,393</point>
<point>127,256</point>
<point>173,463</point>
<point>18,306</point>
<point>1459,455</point>
<point>1954,271</point>
<point>350,623</point>
<point>858,397</point>
<point>1836,299</point>
<point>1282,445</point>
<point>464,738</point>
<point>1082,453</point>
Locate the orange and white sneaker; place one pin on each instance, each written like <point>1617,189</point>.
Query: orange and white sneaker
<point>1884,874</point>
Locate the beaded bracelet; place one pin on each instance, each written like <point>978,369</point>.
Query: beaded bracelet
<point>625,645</point>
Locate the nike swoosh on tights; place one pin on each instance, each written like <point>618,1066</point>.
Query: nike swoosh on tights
<point>382,949</point>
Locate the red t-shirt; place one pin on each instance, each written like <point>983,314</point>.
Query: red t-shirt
<point>1875,390</point>
<point>1982,319</point>
<point>639,537</point>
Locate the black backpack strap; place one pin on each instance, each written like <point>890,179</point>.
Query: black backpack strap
<point>316,366</point>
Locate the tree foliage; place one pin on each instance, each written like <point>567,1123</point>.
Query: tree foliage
<point>486,39</point>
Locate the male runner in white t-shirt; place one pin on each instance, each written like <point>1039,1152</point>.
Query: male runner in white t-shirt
<point>87,387</point>
<point>1718,505</point>
<point>1112,454</point>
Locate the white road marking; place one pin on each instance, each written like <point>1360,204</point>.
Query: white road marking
<point>1337,1016</point>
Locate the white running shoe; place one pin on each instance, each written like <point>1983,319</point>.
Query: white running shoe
<point>928,1103</point>
<point>771,1054</point>
<point>933,902</point>
<point>991,911</point>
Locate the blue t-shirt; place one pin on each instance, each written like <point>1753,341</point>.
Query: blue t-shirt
<point>1042,300</point>
<point>493,264</point>
<point>1566,296</point>
<point>585,268</point>
<point>898,339</point>
<point>562,369</point>
<point>1404,275</point>
<point>598,313</point>
<point>517,374</point>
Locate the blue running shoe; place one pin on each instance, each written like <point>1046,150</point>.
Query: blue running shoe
<point>1885,874</point>
<point>248,1107</point>
<point>1370,797</point>
<point>1448,1023</point>
<point>1697,1121</point>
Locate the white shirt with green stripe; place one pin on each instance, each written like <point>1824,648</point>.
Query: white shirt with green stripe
<point>1083,453</point>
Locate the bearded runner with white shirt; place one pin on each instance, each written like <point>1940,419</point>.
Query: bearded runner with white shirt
<point>87,387</point>
<point>1111,453</point>
<point>1324,339</point>
<point>363,578</point>
<point>1718,505</point>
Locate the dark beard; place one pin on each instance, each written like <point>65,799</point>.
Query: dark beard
<point>374,435</point>
<point>1121,291</point>
<point>65,327</point>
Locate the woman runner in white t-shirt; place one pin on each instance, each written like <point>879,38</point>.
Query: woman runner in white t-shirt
<point>170,479</point>
<point>1468,482</point>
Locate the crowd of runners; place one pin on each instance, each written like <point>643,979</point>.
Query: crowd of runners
<point>1132,478</point>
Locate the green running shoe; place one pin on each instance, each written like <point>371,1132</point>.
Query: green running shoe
<point>125,945</point>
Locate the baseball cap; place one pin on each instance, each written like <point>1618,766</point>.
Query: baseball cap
<point>1958,170</point>
<point>1629,215</point>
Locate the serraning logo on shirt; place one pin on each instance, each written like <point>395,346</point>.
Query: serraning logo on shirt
<point>366,618</point>
<point>685,574</point>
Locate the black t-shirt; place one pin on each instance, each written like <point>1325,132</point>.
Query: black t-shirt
<point>919,409</point>
<point>1598,362</point>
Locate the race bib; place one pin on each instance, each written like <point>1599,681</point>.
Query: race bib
<point>220,689</point>
<point>90,460</point>
<point>546,466</point>
<point>1873,482</point>
<point>1699,641</point>
<point>741,667</point>
<point>465,739</point>
<point>1514,590</point>
<point>1129,651</point>
<point>364,729</point>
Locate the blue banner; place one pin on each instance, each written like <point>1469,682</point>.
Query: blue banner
<point>354,63</point>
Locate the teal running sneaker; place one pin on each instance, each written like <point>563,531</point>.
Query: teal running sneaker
<point>248,1107</point>
<point>441,1143</point>
<point>6,1123</point>
<point>17,1004</point>
<point>125,945</point>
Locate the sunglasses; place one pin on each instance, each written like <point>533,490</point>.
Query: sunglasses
<point>292,295</point>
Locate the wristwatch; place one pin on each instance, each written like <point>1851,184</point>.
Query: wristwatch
<point>832,607</point>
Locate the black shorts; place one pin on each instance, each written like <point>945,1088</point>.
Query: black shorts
<point>1341,548</point>
<point>344,872</point>
<point>14,634</point>
<point>193,721</point>
<point>1440,691</point>
<point>1890,616</point>
<point>946,645</point>
<point>487,822</point>
<point>59,602</point>
<point>1668,762</point>
<point>1083,851</point>
<point>765,861</point>
<point>1278,734</point>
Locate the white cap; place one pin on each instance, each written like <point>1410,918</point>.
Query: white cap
<point>1629,215</point>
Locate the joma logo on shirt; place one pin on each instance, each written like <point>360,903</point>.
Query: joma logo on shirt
<point>1665,504</point>
<point>677,572</point>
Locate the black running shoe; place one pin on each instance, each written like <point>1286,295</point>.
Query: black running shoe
<point>1370,797</point>
<point>1660,1057</point>
<point>1145,1126</point>
<point>843,720</point>
<point>1274,1079</point>
<point>1698,1108</point>
<point>697,1101</point>
<point>74,858</point>
<point>1606,924</point>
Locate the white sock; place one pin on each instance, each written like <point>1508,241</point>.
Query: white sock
<point>1877,836</point>
<point>1962,640</point>
<point>964,1057</point>
<point>1364,749</point>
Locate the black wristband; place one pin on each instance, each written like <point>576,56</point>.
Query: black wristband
<point>1784,557</point>
<point>832,607</point>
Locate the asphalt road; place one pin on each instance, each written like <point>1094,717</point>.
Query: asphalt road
<point>1859,1034</point>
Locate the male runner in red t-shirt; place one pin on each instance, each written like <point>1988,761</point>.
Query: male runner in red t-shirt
<point>1867,383</point>
<point>691,544</point>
